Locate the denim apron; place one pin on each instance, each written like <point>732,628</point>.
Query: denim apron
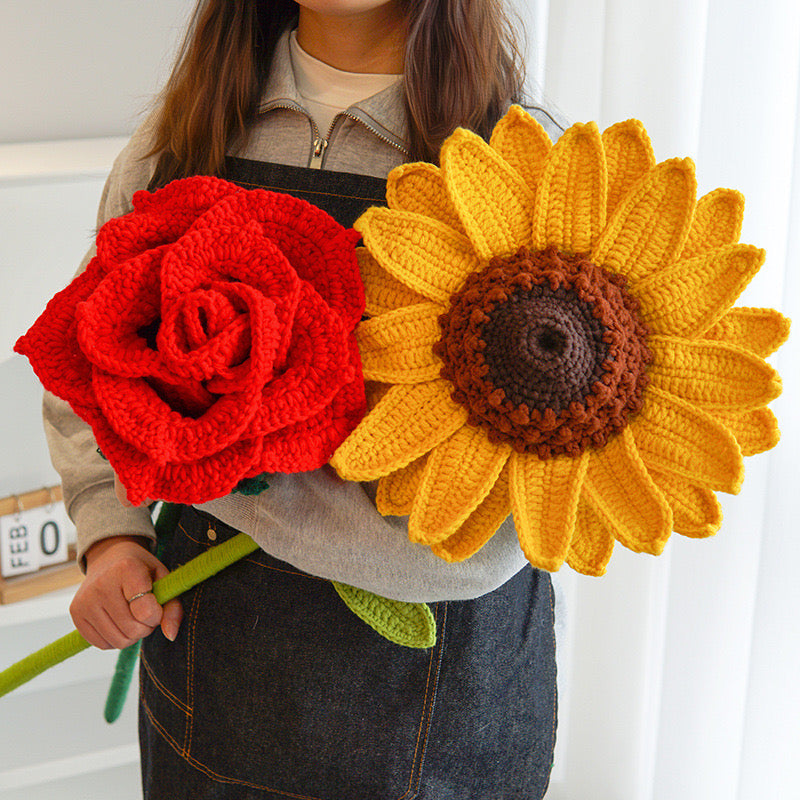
<point>274,689</point>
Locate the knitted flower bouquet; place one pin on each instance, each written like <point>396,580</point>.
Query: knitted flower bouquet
<point>211,339</point>
<point>552,335</point>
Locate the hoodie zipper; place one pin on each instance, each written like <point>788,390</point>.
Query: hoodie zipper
<point>319,144</point>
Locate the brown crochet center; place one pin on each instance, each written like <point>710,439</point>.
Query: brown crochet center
<point>546,351</point>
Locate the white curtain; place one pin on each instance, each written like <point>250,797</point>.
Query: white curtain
<point>681,674</point>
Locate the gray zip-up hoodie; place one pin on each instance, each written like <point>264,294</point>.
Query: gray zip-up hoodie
<point>312,520</point>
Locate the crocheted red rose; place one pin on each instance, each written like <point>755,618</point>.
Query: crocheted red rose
<point>211,339</point>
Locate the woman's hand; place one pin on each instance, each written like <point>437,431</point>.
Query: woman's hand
<point>118,569</point>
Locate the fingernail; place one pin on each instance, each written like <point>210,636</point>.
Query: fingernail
<point>171,630</point>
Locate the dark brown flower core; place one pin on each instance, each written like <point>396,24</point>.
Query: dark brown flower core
<point>546,351</point>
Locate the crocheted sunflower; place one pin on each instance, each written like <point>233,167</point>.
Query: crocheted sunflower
<point>552,335</point>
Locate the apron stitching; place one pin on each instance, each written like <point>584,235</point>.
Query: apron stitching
<point>285,571</point>
<point>160,728</point>
<point>207,770</point>
<point>270,188</point>
<point>190,669</point>
<point>163,689</point>
<point>223,779</point>
<point>427,707</point>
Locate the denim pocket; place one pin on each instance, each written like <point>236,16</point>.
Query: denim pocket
<point>273,684</point>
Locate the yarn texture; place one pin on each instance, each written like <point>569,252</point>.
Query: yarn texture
<point>210,340</point>
<point>552,334</point>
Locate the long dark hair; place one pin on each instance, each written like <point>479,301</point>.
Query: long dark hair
<point>462,67</point>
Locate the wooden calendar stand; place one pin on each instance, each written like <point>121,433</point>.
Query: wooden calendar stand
<point>45,579</point>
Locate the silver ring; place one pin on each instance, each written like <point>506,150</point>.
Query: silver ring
<point>141,594</point>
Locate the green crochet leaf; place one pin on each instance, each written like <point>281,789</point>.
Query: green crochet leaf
<point>406,624</point>
<point>253,486</point>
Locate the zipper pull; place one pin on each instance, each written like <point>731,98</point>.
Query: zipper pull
<point>319,149</point>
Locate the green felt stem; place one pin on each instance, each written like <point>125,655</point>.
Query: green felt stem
<point>168,587</point>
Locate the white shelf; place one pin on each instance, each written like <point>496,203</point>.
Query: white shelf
<point>34,161</point>
<point>62,768</point>
<point>48,606</point>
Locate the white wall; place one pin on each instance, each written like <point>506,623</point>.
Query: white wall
<point>78,69</point>
<point>72,70</point>
<point>72,74</point>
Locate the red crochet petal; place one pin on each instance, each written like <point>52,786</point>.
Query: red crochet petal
<point>189,398</point>
<point>240,255</point>
<point>226,335</point>
<point>207,478</point>
<point>52,347</point>
<point>196,482</point>
<point>159,217</point>
<point>113,322</point>
<point>139,416</point>
<point>320,250</point>
<point>310,443</point>
<point>319,364</point>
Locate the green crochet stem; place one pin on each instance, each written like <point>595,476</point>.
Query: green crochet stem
<point>177,582</point>
<point>121,682</point>
<point>406,624</point>
<point>165,525</point>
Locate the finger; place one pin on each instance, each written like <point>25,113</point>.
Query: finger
<point>136,592</point>
<point>118,633</point>
<point>129,626</point>
<point>91,634</point>
<point>172,609</point>
<point>171,621</point>
<point>146,610</point>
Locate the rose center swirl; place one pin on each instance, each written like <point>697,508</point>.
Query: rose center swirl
<point>546,351</point>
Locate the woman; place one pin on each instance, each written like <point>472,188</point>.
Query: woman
<point>263,684</point>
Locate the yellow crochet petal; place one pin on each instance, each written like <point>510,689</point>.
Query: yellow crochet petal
<point>760,330</point>
<point>419,187</point>
<point>492,199</point>
<point>647,230</point>
<point>396,491</point>
<point>523,143</point>
<point>690,296</point>
<point>459,474</point>
<point>396,346</point>
<point>756,431</point>
<point>407,422</point>
<point>570,210</point>
<point>544,498</point>
<point>696,512</point>
<point>675,436</point>
<point>382,291</point>
<point>717,222</point>
<point>712,374</point>
<point>480,525</point>
<point>592,543</point>
<point>425,255</point>
<point>629,156</point>
<point>621,492</point>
